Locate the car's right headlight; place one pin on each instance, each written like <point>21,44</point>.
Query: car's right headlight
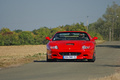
<point>53,47</point>
<point>85,47</point>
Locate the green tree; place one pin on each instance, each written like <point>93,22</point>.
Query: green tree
<point>1,40</point>
<point>40,35</point>
<point>4,30</point>
<point>18,30</point>
<point>26,37</point>
<point>6,36</point>
<point>75,27</point>
<point>108,23</point>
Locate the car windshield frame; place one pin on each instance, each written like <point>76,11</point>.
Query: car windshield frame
<point>71,36</point>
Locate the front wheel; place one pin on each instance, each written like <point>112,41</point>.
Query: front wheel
<point>49,60</point>
<point>93,59</point>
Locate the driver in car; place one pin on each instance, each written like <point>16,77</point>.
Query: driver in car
<point>81,37</point>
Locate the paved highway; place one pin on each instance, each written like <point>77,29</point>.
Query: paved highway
<point>108,56</point>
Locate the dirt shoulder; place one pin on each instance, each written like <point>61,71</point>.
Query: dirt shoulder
<point>11,56</point>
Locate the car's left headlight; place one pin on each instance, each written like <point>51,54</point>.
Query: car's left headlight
<point>85,47</point>
<point>54,47</point>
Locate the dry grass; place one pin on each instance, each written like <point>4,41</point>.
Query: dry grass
<point>115,76</point>
<point>99,41</point>
<point>17,55</point>
<point>22,50</point>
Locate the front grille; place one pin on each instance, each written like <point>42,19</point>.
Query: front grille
<point>69,53</point>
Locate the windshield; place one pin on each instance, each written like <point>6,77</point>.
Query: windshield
<point>70,36</point>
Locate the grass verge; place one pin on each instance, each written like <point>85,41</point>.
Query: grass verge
<point>99,41</point>
<point>115,76</point>
<point>11,56</point>
<point>13,61</point>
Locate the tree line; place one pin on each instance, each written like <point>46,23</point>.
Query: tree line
<point>109,24</point>
<point>37,36</point>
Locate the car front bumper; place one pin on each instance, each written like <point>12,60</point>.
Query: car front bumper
<point>79,54</point>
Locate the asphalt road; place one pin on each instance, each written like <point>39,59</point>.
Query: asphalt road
<point>108,57</point>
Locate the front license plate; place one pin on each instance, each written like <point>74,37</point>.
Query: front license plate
<point>69,57</point>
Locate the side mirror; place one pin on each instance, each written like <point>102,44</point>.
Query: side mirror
<point>94,38</point>
<point>48,38</point>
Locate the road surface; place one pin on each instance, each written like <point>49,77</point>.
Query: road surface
<point>108,57</point>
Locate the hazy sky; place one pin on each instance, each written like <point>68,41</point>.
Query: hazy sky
<point>28,15</point>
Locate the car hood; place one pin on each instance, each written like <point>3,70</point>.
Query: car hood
<point>67,45</point>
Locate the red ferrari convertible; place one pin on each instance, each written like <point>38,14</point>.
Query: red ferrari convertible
<point>71,45</point>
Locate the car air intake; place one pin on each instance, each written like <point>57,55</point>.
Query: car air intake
<point>70,44</point>
<point>69,53</point>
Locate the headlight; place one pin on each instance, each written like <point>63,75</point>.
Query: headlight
<point>85,47</point>
<point>54,47</point>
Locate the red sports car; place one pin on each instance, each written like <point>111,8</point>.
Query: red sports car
<point>71,45</point>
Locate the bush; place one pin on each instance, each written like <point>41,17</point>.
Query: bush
<point>37,36</point>
<point>93,34</point>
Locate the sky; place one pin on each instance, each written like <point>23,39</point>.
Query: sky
<point>28,15</point>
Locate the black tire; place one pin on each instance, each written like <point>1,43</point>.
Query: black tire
<point>49,60</point>
<point>93,59</point>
